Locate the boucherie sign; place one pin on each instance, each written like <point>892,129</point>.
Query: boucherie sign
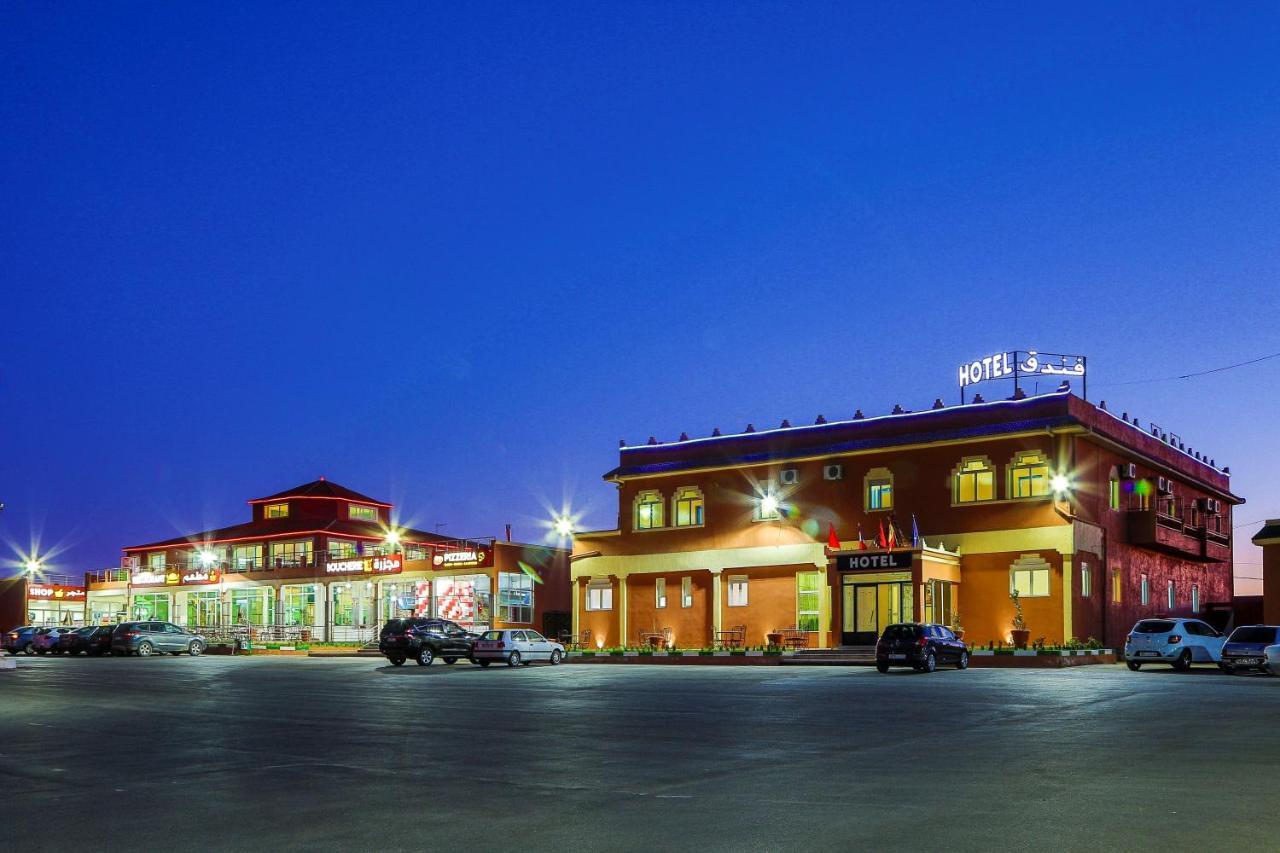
<point>387,565</point>
<point>55,592</point>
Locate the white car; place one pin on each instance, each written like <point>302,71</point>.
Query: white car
<point>1273,659</point>
<point>1177,642</point>
<point>516,646</point>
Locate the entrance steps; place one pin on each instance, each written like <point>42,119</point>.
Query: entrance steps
<point>839,656</point>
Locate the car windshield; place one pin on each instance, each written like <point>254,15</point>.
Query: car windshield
<point>493,635</point>
<point>1153,626</point>
<point>1254,634</point>
<point>900,632</point>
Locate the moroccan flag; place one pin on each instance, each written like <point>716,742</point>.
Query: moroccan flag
<point>881,541</point>
<point>862,543</point>
<point>893,535</point>
<point>833,541</point>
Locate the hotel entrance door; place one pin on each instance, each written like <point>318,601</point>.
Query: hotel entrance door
<point>869,607</point>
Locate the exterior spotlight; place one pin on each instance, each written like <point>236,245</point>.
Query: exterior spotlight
<point>207,558</point>
<point>563,527</point>
<point>600,641</point>
<point>32,566</point>
<point>768,505</point>
<point>393,538</point>
<point>1060,484</point>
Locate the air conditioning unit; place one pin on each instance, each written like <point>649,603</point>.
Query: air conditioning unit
<point>789,476</point>
<point>833,472</point>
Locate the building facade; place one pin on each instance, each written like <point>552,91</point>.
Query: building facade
<point>838,529</point>
<point>329,564</point>
<point>1268,538</point>
<point>42,600</point>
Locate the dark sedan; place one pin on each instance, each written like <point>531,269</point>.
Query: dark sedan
<point>92,640</point>
<point>921,646</point>
<point>1246,648</point>
<point>424,640</point>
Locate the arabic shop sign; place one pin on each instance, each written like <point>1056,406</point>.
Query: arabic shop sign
<point>55,592</point>
<point>1018,365</point>
<point>385,565</point>
<point>473,557</point>
<point>174,577</point>
<point>873,561</point>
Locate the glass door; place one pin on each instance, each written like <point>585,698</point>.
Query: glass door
<point>861,615</point>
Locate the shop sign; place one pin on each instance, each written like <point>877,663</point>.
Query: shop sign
<point>468,558</point>
<point>384,565</point>
<point>197,576</point>
<point>55,592</point>
<point>1018,365</point>
<point>873,561</point>
<point>150,578</point>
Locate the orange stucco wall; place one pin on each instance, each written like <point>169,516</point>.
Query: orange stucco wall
<point>771,601</point>
<point>601,623</point>
<point>691,626</point>
<point>986,611</point>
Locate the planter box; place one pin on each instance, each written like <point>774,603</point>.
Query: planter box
<point>1028,659</point>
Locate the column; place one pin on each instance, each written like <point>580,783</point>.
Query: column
<point>715,603</point>
<point>1068,566</point>
<point>574,627</point>
<point>622,609</point>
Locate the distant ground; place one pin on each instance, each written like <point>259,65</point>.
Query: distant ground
<point>275,753</point>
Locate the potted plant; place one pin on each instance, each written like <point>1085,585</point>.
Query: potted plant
<point>959,627</point>
<point>1020,634</point>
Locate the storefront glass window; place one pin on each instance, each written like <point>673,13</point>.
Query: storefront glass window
<point>465,600</point>
<point>151,606</point>
<point>515,598</point>
<point>202,608</point>
<point>808,597</point>
<point>299,605</point>
<point>352,604</point>
<point>252,607</point>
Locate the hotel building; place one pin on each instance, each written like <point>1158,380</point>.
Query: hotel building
<point>330,563</point>
<point>1093,520</point>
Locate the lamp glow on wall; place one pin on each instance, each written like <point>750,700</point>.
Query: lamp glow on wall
<point>600,641</point>
<point>393,539</point>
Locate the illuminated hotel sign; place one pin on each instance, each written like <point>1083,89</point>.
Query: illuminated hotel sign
<point>873,561</point>
<point>55,592</point>
<point>386,565</point>
<point>1018,365</point>
<point>469,558</point>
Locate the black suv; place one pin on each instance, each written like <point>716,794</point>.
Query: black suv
<point>424,640</point>
<point>920,646</point>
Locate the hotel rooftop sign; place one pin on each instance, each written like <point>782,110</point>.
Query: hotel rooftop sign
<point>1019,366</point>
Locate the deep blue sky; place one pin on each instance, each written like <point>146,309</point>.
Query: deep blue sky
<point>450,254</point>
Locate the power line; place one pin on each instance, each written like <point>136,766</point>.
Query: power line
<point>1192,375</point>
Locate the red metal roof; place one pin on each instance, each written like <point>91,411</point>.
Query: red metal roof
<point>278,528</point>
<point>322,488</point>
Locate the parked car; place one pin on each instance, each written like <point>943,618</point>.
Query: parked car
<point>1273,659</point>
<point>18,640</point>
<point>424,640</point>
<point>1246,648</point>
<point>45,640</point>
<point>516,647</point>
<point>921,646</point>
<point>92,639</point>
<point>148,638</point>
<point>1177,642</point>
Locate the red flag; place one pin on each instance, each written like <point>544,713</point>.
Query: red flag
<point>884,543</point>
<point>893,535</point>
<point>833,541</point>
<point>862,543</point>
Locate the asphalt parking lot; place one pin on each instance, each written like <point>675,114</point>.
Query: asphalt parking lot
<point>266,753</point>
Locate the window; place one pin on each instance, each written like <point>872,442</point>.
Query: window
<point>768,506</point>
<point>247,558</point>
<point>294,552</point>
<point>686,592</point>
<point>252,606</point>
<point>1146,590</point>
<point>357,512</point>
<point>515,597</point>
<point>275,511</point>
<point>600,596</point>
<point>1195,598</point>
<point>879,484</point>
<point>155,562</point>
<point>299,604</point>
<point>808,599</point>
<point>1171,596</point>
<point>660,592</point>
<point>648,511</point>
<point>1029,475</point>
<point>151,606</point>
<point>1114,494</point>
<point>341,549</point>
<point>1086,581</point>
<point>738,591</point>
<point>1029,576</point>
<point>688,506</point>
<point>202,608</point>
<point>974,481</point>
<point>1115,586</point>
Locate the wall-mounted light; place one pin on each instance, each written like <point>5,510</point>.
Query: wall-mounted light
<point>768,505</point>
<point>207,558</point>
<point>32,566</point>
<point>600,641</point>
<point>563,526</point>
<point>1060,485</point>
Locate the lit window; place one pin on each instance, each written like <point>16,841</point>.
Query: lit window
<point>738,591</point>
<point>1114,494</point>
<point>688,507</point>
<point>648,511</point>
<point>879,485</point>
<point>660,592</point>
<point>296,552</point>
<point>341,549</point>
<point>686,592</point>
<point>1029,577</point>
<point>975,481</point>
<point>1086,580</point>
<point>808,598</point>
<point>1146,590</point>
<point>248,558</point>
<point>515,597</point>
<point>1115,586</point>
<point>600,596</point>
<point>768,507</point>
<point>1171,596</point>
<point>155,562</point>
<point>276,511</point>
<point>1029,475</point>
<point>356,512</point>
<point>1195,598</point>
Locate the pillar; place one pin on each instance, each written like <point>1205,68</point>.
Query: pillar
<point>716,609</point>
<point>622,610</point>
<point>1067,573</point>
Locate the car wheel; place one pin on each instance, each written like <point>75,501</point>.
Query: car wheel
<point>1183,663</point>
<point>145,649</point>
<point>450,660</point>
<point>28,650</point>
<point>930,662</point>
<point>484,663</point>
<point>195,649</point>
<point>425,656</point>
<point>963,663</point>
<point>1133,665</point>
<point>397,660</point>
<point>1265,670</point>
<point>882,667</point>
<point>1227,668</point>
<point>555,657</point>
<point>513,659</point>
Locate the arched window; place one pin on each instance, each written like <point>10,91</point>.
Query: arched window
<point>879,489</point>
<point>649,515</point>
<point>1029,475</point>
<point>973,481</point>
<point>687,505</point>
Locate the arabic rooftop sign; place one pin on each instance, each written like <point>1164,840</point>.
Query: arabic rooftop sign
<point>1020,366</point>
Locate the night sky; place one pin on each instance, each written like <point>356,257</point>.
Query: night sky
<point>448,255</point>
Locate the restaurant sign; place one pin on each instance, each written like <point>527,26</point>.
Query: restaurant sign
<point>174,577</point>
<point>873,561</point>
<point>55,592</point>
<point>464,558</point>
<point>384,565</point>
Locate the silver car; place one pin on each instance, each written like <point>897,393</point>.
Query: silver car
<point>1173,641</point>
<point>516,646</point>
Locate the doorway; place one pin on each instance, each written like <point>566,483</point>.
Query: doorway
<point>869,607</point>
